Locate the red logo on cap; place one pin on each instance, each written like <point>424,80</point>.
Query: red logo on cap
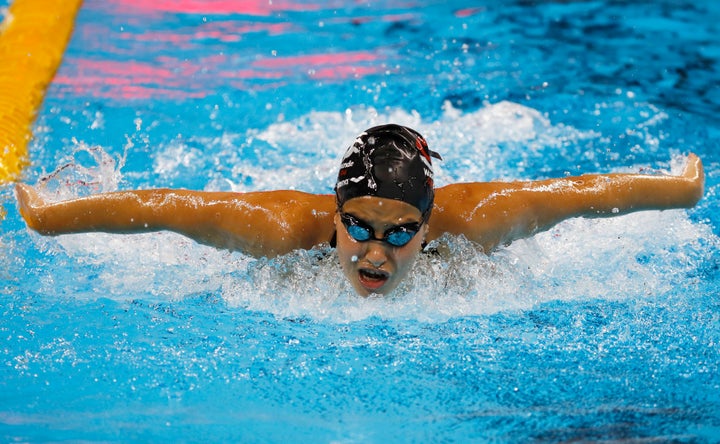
<point>421,145</point>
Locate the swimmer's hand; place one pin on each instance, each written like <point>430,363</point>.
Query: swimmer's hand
<point>694,174</point>
<point>31,206</point>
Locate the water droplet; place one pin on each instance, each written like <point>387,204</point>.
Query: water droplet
<point>354,259</point>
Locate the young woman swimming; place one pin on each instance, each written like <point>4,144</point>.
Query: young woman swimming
<point>384,210</point>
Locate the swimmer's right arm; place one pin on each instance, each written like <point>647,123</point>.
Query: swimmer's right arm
<point>258,223</point>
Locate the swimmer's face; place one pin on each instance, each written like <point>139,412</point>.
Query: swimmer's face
<point>375,266</point>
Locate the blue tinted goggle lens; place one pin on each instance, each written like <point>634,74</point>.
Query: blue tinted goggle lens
<point>360,234</point>
<point>396,236</point>
<point>399,237</point>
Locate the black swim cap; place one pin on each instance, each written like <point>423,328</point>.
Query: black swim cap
<point>389,161</point>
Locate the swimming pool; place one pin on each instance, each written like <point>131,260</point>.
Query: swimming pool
<point>595,330</point>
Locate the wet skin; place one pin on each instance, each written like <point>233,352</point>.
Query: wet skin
<point>375,266</point>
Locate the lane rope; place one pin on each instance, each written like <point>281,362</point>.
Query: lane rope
<point>33,37</point>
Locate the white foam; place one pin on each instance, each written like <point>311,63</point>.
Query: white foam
<point>640,255</point>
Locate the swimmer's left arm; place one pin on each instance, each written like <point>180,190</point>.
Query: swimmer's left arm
<point>497,213</point>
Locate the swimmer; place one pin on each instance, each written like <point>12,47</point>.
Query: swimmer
<point>385,209</point>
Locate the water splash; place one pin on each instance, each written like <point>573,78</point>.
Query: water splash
<point>87,170</point>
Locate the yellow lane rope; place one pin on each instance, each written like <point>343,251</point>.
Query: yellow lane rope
<point>33,37</point>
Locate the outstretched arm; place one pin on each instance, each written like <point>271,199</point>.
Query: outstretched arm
<point>497,213</point>
<point>261,223</point>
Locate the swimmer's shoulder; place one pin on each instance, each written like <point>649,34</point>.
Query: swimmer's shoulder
<point>273,223</point>
<point>452,205</point>
<point>309,217</point>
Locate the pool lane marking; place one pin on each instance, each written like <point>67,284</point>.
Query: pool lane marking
<point>33,37</point>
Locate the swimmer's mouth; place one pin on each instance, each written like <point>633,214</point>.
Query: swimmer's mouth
<point>372,279</point>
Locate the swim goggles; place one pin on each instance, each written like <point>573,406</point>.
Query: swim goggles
<point>397,236</point>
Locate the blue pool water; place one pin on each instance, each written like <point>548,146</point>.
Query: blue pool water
<point>598,330</point>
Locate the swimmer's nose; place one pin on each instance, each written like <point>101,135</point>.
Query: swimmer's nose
<point>375,254</point>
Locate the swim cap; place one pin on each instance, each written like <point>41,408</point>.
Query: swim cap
<point>389,161</point>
